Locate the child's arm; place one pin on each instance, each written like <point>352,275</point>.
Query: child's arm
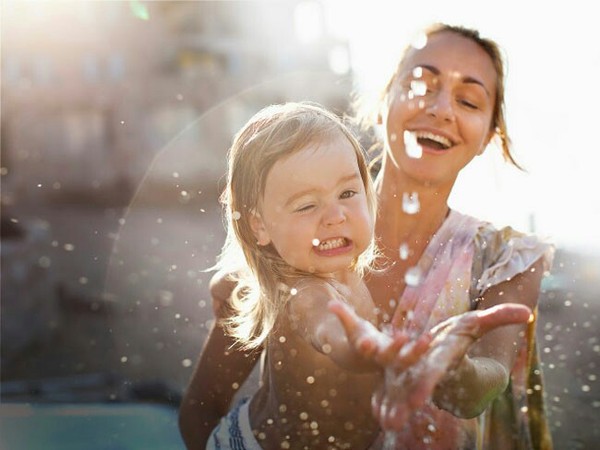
<point>219,370</point>
<point>311,317</point>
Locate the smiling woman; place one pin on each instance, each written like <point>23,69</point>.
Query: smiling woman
<point>544,106</point>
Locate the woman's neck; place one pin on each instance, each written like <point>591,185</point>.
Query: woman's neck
<point>395,226</point>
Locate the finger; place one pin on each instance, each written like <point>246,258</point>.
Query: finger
<point>413,351</point>
<point>477,323</point>
<point>388,354</point>
<point>501,315</point>
<point>396,418</point>
<point>350,320</point>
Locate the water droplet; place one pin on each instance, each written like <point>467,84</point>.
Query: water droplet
<point>310,380</point>
<point>303,416</point>
<point>410,203</point>
<point>293,291</point>
<point>412,277</point>
<point>186,362</point>
<point>403,250</point>
<point>69,247</point>
<point>585,388</point>
<point>282,339</point>
<point>413,149</point>
<point>44,262</point>
<point>417,72</point>
<point>419,87</point>
<point>123,359</point>
<point>419,41</point>
<point>315,242</point>
<point>236,215</point>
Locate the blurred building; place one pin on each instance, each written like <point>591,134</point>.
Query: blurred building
<point>92,92</point>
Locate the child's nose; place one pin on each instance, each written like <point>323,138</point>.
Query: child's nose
<point>334,215</point>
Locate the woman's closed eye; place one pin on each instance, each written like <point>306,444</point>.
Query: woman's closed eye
<point>469,104</point>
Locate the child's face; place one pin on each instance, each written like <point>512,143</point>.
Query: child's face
<point>314,210</point>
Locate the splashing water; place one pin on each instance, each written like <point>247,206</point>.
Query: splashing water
<point>412,147</point>
<point>419,41</point>
<point>403,250</point>
<point>419,87</point>
<point>412,277</point>
<point>410,203</point>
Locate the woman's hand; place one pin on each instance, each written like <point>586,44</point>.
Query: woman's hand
<point>415,367</point>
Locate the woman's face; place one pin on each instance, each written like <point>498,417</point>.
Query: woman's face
<point>439,108</point>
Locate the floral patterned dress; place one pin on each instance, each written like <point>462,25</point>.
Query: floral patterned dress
<point>465,258</point>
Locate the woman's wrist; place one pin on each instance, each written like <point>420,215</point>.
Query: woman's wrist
<point>468,389</point>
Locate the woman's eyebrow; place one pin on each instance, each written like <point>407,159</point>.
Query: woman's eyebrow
<point>466,79</point>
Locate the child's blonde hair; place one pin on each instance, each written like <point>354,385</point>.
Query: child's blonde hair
<point>261,274</point>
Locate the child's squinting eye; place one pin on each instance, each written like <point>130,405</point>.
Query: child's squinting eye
<point>304,208</point>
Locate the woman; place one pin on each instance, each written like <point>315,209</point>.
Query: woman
<point>441,108</point>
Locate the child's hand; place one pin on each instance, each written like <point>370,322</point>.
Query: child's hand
<point>395,349</point>
<point>409,387</point>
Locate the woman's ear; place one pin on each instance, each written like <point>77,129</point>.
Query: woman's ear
<point>258,228</point>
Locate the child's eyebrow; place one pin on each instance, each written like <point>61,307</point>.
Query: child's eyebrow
<point>342,180</point>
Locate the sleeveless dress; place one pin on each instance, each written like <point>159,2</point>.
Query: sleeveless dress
<point>465,258</point>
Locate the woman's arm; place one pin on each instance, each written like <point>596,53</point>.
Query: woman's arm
<point>220,371</point>
<point>484,373</point>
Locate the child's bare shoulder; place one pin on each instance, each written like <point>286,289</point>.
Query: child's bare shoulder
<point>314,289</point>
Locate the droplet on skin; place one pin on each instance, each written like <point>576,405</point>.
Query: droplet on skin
<point>412,147</point>
<point>412,277</point>
<point>410,203</point>
<point>310,380</point>
<point>403,251</point>
<point>293,291</point>
<point>315,242</point>
<point>236,215</point>
<point>419,41</point>
<point>419,87</point>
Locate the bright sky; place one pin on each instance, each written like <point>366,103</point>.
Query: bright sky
<point>553,104</point>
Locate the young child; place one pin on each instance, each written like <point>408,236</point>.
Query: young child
<point>300,212</point>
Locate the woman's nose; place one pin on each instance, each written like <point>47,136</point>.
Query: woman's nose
<point>440,106</point>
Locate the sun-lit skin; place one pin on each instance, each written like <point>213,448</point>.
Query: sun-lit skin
<point>446,90</point>
<point>316,196</point>
<point>450,112</point>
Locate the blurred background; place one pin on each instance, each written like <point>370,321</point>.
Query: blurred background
<point>115,122</point>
